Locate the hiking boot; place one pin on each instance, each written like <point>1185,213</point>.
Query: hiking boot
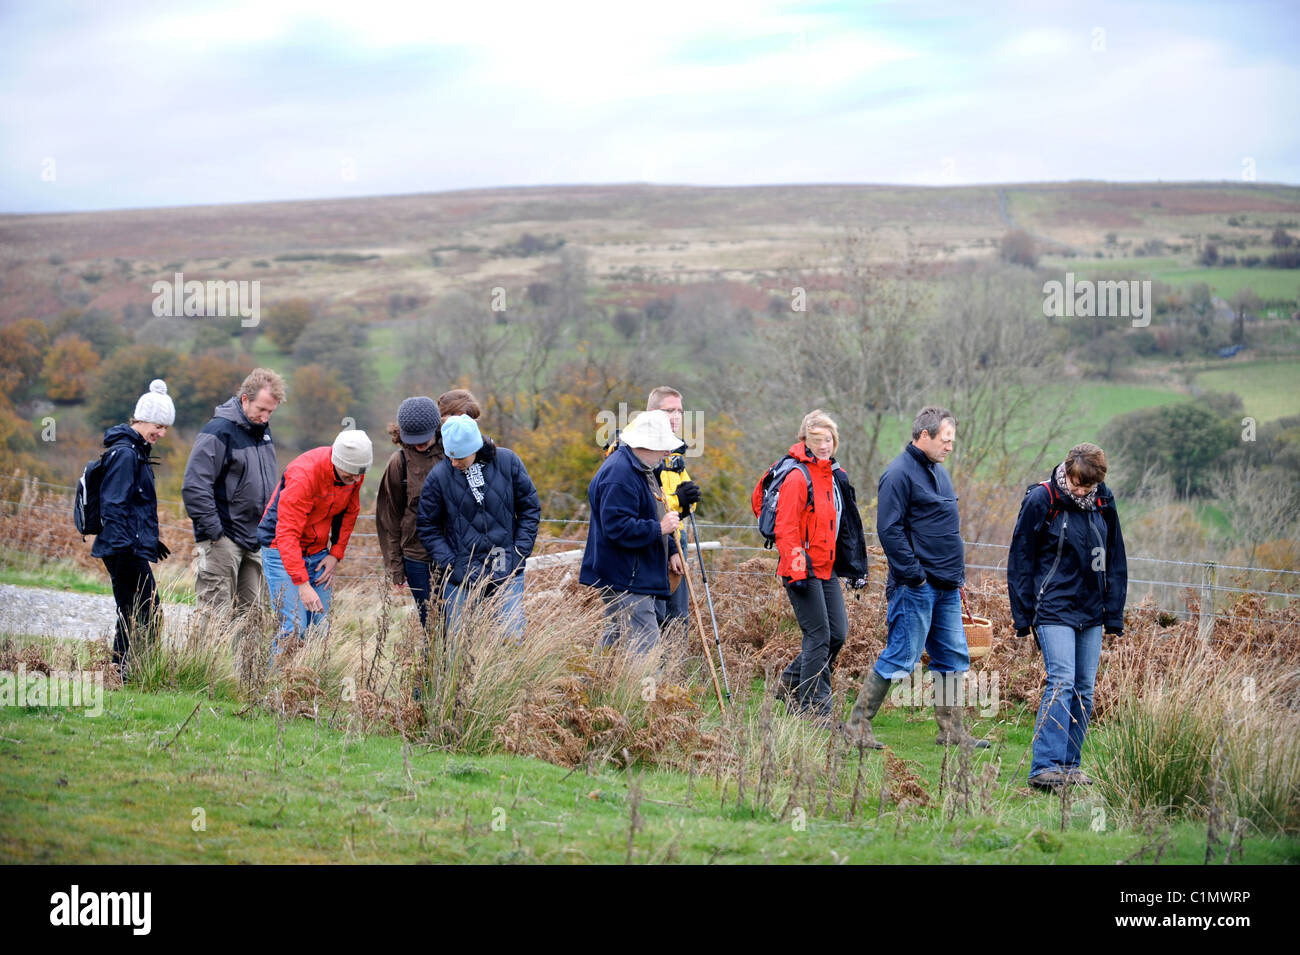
<point>872,694</point>
<point>1049,780</point>
<point>1077,777</point>
<point>952,731</point>
<point>785,692</point>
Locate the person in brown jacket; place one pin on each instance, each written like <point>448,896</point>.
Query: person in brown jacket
<point>417,433</point>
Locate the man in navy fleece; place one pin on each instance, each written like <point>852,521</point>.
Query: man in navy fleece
<point>920,532</point>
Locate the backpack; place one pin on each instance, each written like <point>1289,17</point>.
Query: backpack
<point>85,503</point>
<point>768,489</point>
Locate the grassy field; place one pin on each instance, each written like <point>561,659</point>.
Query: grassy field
<point>1268,389</point>
<point>141,784</point>
<point>1269,284</point>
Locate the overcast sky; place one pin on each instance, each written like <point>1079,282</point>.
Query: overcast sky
<point>132,103</point>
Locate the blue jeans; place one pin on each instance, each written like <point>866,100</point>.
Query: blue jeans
<point>508,595</point>
<point>294,617</point>
<point>923,618</point>
<point>417,581</point>
<point>1070,657</point>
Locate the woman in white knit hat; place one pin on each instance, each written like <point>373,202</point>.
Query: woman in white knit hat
<point>128,508</point>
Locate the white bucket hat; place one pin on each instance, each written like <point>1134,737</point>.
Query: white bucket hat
<point>651,431</point>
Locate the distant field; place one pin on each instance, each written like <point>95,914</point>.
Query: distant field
<point>1267,283</point>
<point>1268,389</point>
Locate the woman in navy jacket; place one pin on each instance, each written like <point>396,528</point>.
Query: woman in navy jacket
<point>478,519</point>
<point>1067,579</point>
<point>128,508</point>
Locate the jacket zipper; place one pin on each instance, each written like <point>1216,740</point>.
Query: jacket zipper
<point>1060,545</point>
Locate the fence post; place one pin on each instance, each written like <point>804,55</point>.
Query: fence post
<point>1206,628</point>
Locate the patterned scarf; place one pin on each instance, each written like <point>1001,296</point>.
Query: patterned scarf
<point>1086,503</point>
<point>474,475</point>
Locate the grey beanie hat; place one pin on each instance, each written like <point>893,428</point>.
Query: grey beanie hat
<point>418,420</point>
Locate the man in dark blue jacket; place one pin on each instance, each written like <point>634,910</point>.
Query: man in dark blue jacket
<point>229,478</point>
<point>627,552</point>
<point>920,531</point>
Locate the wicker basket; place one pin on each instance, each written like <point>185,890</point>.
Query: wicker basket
<point>979,634</point>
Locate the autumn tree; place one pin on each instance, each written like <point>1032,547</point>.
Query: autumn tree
<point>1019,248</point>
<point>320,402</point>
<point>22,350</point>
<point>124,377</point>
<point>202,383</point>
<point>285,321</point>
<point>339,343</point>
<point>69,366</point>
<point>94,325</point>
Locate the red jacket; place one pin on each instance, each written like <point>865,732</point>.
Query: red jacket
<point>795,523</point>
<point>303,512</point>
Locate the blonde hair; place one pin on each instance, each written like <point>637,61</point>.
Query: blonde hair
<point>818,419</point>
<point>260,378</point>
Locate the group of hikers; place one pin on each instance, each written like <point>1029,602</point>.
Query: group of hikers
<point>457,519</point>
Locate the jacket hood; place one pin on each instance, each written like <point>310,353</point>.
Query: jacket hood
<point>232,410</point>
<point>124,432</point>
<point>799,451</point>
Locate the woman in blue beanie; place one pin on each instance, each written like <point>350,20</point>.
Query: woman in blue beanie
<point>478,521</point>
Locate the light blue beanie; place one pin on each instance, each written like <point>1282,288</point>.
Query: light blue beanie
<point>460,436</point>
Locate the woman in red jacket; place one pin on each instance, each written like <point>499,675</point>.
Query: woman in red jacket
<point>806,528</point>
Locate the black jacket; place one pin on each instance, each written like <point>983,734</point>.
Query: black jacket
<point>851,541</point>
<point>459,533</point>
<point>918,524</point>
<point>128,502</point>
<point>1071,570</point>
<point>229,477</point>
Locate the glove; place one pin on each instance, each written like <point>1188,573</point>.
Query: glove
<point>163,551</point>
<point>800,585</point>
<point>1024,631</point>
<point>688,495</point>
<point>1114,631</point>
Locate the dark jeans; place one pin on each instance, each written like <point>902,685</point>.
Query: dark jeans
<point>418,580</point>
<point>825,625</point>
<point>136,598</point>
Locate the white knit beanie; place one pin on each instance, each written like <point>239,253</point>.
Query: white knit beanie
<point>154,406</point>
<point>352,452</point>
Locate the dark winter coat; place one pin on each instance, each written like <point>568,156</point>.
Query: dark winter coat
<point>397,506</point>
<point>918,524</point>
<point>128,502</point>
<point>625,542</point>
<point>851,542</point>
<point>1071,571</point>
<point>459,533</point>
<point>229,477</point>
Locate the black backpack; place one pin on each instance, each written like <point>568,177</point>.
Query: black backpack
<point>85,503</point>
<point>768,489</point>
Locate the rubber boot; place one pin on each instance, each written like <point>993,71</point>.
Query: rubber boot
<point>872,694</point>
<point>952,729</point>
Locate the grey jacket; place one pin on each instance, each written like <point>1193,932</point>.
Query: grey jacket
<point>230,476</point>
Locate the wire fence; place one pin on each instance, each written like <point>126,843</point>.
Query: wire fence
<point>1199,578</point>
